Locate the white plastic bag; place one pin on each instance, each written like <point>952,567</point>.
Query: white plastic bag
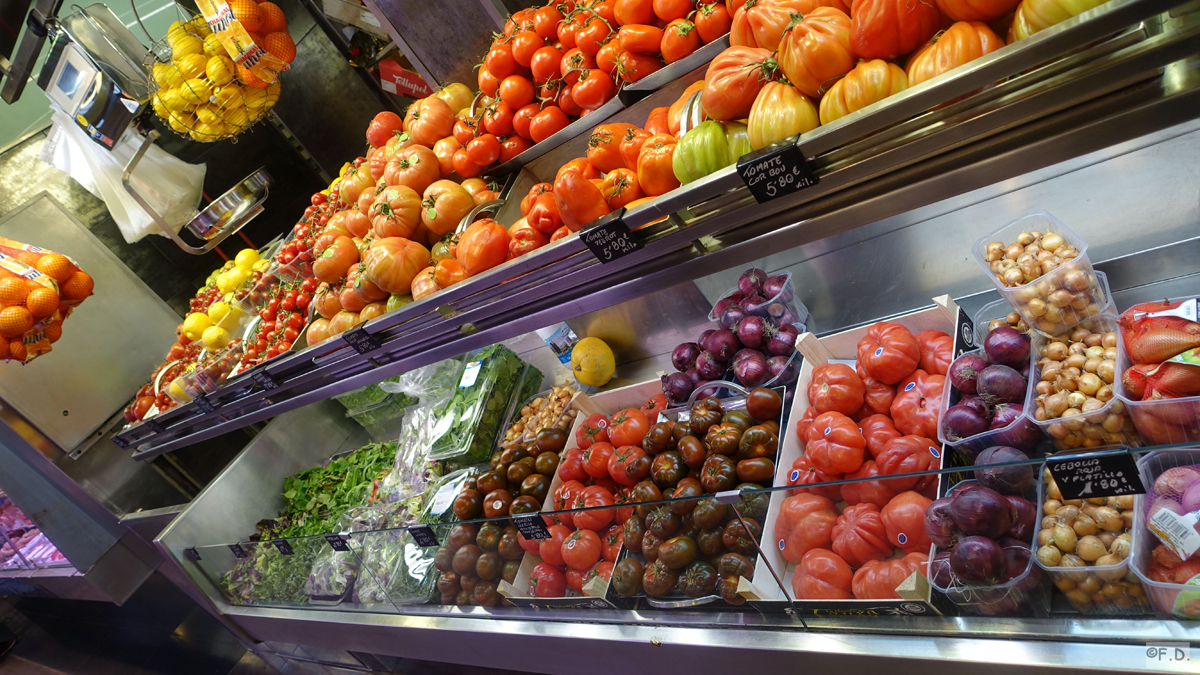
<point>169,185</point>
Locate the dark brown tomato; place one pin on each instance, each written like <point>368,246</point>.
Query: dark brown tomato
<point>627,577</point>
<point>668,469</point>
<point>490,481</point>
<point>698,580</point>
<point>468,582</point>
<point>738,540</point>
<point>463,597</point>
<point>663,522</point>
<point>709,513</point>
<point>510,546</point>
<point>709,541</point>
<point>546,463</point>
<point>443,559</point>
<point>688,487</point>
<point>635,529</point>
<point>758,441</point>
<point>660,438</point>
<point>680,430</point>
<point>513,454</point>
<point>727,589</point>
<point>537,486</point>
<point>471,483</point>
<point>465,559</point>
<point>755,501</point>
<point>496,503</point>
<point>489,566</point>
<point>551,440</point>
<point>693,451</point>
<point>658,579</point>
<point>646,491</point>
<point>738,418</point>
<point>757,470</point>
<point>485,594</point>
<point>524,504</point>
<point>735,565</point>
<point>496,461</point>
<point>489,536</point>
<point>688,527</point>
<point>511,567</point>
<point>446,599</point>
<point>468,505</point>
<point>517,472</point>
<point>650,544</point>
<point>677,552</point>
<point>764,404</point>
<point>461,535</point>
<point>718,474</point>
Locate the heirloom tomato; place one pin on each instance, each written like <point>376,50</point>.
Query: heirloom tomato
<point>571,467</point>
<point>1038,15</point>
<point>382,127</point>
<point>593,430</point>
<point>393,263</point>
<point>427,120</point>
<point>628,427</point>
<point>581,550</point>
<point>803,473</point>
<point>628,465</point>
<point>579,201</point>
<point>733,80</point>
<point>822,575</point>
<point>482,246</point>
<point>445,204</point>
<point>859,535</point>
<point>937,351</point>
<point>592,497</point>
<point>620,187</point>
<point>878,397</point>
<point>815,51</point>
<point>878,430</point>
<point>909,454</point>
<point>885,29</point>
<point>604,146</point>
<point>834,443</point>
<point>761,23</point>
<point>976,10</point>
<point>917,403</point>
<point>396,212</point>
<point>708,148</point>
<point>780,111</point>
<point>958,45</point>
<point>904,521</point>
<point>595,459</point>
<point>867,491</point>
<point>889,352</point>
<point>550,549</point>
<point>878,579</point>
<point>836,387</point>
<point>805,421</point>
<point>805,522</point>
<point>654,165</point>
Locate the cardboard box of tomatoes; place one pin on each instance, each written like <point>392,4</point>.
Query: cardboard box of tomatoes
<point>859,548</point>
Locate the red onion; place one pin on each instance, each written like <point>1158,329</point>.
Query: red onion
<point>1022,435</point>
<point>722,343</point>
<point>694,376</point>
<point>977,404</point>
<point>751,281</point>
<point>781,368</point>
<point>752,331</point>
<point>706,389</point>
<point>983,512</point>
<point>775,286</point>
<point>1001,384</point>
<point>964,371</point>
<point>709,366</point>
<point>742,354</point>
<point>731,299</point>
<point>939,525</point>
<point>783,341</point>
<point>962,421</point>
<point>752,370</point>
<point>731,317</point>
<point>978,559</point>
<point>755,304</point>
<point>677,387</point>
<point>1007,346</point>
<point>1026,520</point>
<point>1007,480</point>
<point>1164,503</point>
<point>939,570</point>
<point>1016,556</point>
<point>684,356</point>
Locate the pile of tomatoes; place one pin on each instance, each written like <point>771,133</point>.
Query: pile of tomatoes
<point>281,321</point>
<point>179,359</point>
<point>877,419</point>
<point>474,559</point>
<point>205,298</point>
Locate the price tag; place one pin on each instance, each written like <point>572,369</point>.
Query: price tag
<point>423,535</point>
<point>154,426</point>
<point>337,542</point>
<point>191,554</point>
<point>532,526</point>
<point>120,442</point>
<point>1086,478</point>
<point>284,546</point>
<point>204,404</point>
<point>263,379</point>
<point>362,341</point>
<point>610,239</point>
<point>1176,531</point>
<point>964,337</point>
<point>776,171</point>
<point>238,551</point>
<point>470,374</point>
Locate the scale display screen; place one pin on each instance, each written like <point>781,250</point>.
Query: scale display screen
<point>69,80</point>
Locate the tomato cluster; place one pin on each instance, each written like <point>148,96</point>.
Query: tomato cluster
<point>473,560</point>
<point>281,321</point>
<point>518,481</point>
<point>204,298</point>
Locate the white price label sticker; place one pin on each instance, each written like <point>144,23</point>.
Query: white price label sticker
<point>443,498</point>
<point>1176,531</point>
<point>470,374</point>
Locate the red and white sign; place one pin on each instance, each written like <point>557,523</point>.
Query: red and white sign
<point>397,80</point>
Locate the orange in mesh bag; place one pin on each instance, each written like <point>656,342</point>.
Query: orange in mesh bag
<point>1154,339</point>
<point>38,290</point>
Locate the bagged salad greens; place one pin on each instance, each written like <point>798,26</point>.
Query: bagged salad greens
<point>395,570</point>
<point>333,572</point>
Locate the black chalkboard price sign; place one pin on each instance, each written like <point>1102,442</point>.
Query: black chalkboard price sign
<point>609,238</point>
<point>237,550</point>
<point>120,442</point>
<point>1091,477</point>
<point>533,527</point>
<point>284,546</point>
<point>362,341</point>
<point>192,554</point>
<point>337,542</point>
<point>204,404</point>
<point>154,426</point>
<point>776,171</point>
<point>263,379</point>
<point>423,535</point>
<point>964,338</point>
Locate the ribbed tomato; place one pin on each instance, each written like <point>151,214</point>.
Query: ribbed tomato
<point>960,44</point>
<point>878,579</point>
<point>815,52</point>
<point>779,111</point>
<point>878,430</point>
<point>869,82</point>
<point>733,80</point>
<point>909,454</point>
<point>1038,15</point>
<point>885,29</point>
<point>803,473</point>
<point>427,120</point>
<point>976,10</point>
<point>904,520</point>
<point>482,246</point>
<point>889,352</point>
<point>836,387</point>
<point>937,351</point>
<point>804,522</point>
<point>444,206</point>
<point>823,575</point>
<point>392,263</point>
<point>761,23</point>
<point>917,404</point>
<point>834,443</point>
<point>860,536</point>
<point>396,212</point>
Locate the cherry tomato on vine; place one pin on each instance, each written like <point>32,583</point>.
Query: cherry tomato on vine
<point>484,150</point>
<point>498,119</point>
<point>516,91</point>
<point>464,165</point>
<point>634,67</point>
<point>500,62</point>
<point>547,122</point>
<point>592,89</point>
<point>545,63</point>
<point>524,45</point>
<point>513,146</point>
<point>522,118</point>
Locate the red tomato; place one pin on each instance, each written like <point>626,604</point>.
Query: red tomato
<point>712,21</point>
<point>592,35</point>
<point>909,454</point>
<point>733,81</point>
<point>523,239</point>
<point>566,32</point>
<point>835,387</point>
<point>878,397</point>
<point>381,127</point>
<point>593,89</point>
<point>937,351</point>
<point>917,403</point>
<point>602,569</point>
<point>575,579</point>
<point>544,64</point>
<point>574,62</point>
<point>604,147</point>
<point>464,130</point>
<point>595,459</point>
<point>579,201</point>
<point>524,45</point>
<point>628,427</point>
<point>560,233</point>
<point>805,522</point>
<point>628,465</point>
<point>653,406</point>
<point>859,535</point>
<point>878,430</point>
<point>641,39</point>
<point>564,499</point>
<point>581,550</point>
<point>498,119</point>
<point>544,217</point>
<point>550,549</point>
<point>631,145</point>
<point>679,39</point>
<point>464,165</point>
<point>593,430</point>
<point>834,443</point>
<point>633,66</point>
<point>823,575</point>
<point>669,10</point>
<point>516,91</point>
<point>546,123</point>
<point>484,149</point>
<point>904,522</point>
<point>803,473</point>
<point>511,147</point>
<point>867,491</point>
<point>571,467</point>
<point>606,58</point>
<point>634,11</point>
<point>624,500</point>
<point>591,498</point>
<point>889,352</point>
<point>613,538</point>
<point>529,545</point>
<point>547,581</point>
<point>878,579</point>
<point>885,29</point>
<point>488,83</point>
<point>500,62</point>
<point>545,21</point>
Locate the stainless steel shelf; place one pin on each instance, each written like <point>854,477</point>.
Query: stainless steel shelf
<point>1099,79</point>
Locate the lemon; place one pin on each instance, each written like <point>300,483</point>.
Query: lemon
<point>228,97</point>
<point>166,75</point>
<point>176,392</point>
<point>237,118</point>
<point>191,65</point>
<point>246,257</point>
<point>272,94</point>
<point>215,338</point>
<point>213,46</point>
<point>173,100</point>
<point>186,44</point>
<point>176,32</point>
<point>255,98</point>
<point>199,27</point>
<point>232,278</point>
<point>220,70</point>
<point>262,265</point>
<point>592,362</point>
<point>218,311</point>
<point>159,108</point>
<point>182,122</point>
<point>196,91</point>
<point>208,115</point>
<point>207,133</point>
<point>194,325</point>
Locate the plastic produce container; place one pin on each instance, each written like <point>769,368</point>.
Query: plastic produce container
<point>786,298</point>
<point>1172,600</point>
<point>1021,433</point>
<point>1056,301</point>
<point>473,418</point>
<point>382,418</point>
<point>1100,590</point>
<point>524,398</point>
<point>1025,595</point>
<point>1000,309</point>
<point>1109,425</point>
<point>365,396</point>
<point>1163,421</point>
<point>208,376</point>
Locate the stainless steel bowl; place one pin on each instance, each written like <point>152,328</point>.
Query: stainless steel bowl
<point>229,212</point>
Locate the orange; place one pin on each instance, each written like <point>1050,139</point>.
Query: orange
<point>54,331</point>
<point>272,18</point>
<point>42,302</point>
<point>257,37</point>
<point>250,79</point>
<point>56,266</point>
<point>13,291</point>
<point>29,258</point>
<point>16,350</point>
<point>15,321</point>
<point>280,45</point>
<point>246,11</point>
<point>78,287</point>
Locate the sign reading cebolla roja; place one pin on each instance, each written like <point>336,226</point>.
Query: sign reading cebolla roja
<point>397,80</point>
